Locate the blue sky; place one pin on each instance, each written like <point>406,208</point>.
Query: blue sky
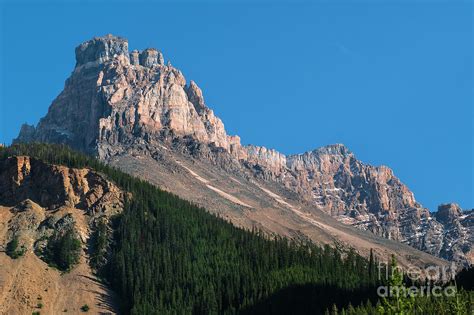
<point>392,81</point>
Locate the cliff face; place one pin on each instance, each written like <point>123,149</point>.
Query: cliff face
<point>52,186</point>
<point>458,232</point>
<point>117,103</point>
<point>39,201</point>
<point>113,99</point>
<point>373,198</point>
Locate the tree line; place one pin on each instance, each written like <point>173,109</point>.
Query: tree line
<point>168,256</point>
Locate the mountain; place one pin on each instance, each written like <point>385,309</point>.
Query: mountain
<point>73,230</point>
<point>137,113</point>
<point>80,236</point>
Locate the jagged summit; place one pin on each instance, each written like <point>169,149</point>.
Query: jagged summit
<point>333,149</point>
<point>126,107</point>
<point>448,212</point>
<point>138,103</point>
<point>147,58</point>
<point>135,95</point>
<point>337,149</point>
<point>102,49</point>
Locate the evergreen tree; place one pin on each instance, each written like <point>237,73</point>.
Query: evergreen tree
<point>63,251</point>
<point>12,249</point>
<point>169,256</point>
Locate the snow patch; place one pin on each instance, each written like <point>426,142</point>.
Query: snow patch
<point>333,189</point>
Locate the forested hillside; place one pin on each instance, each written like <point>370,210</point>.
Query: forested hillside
<point>168,256</point>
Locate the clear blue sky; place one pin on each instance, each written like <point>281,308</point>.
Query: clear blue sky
<point>394,82</point>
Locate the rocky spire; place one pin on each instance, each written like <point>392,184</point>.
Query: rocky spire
<point>195,96</point>
<point>135,57</point>
<point>27,133</point>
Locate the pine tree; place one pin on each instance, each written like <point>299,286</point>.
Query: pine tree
<point>400,301</point>
<point>169,256</point>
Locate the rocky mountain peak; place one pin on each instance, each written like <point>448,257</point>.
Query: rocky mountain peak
<point>448,212</point>
<point>134,104</point>
<point>333,149</point>
<point>330,154</point>
<point>100,49</point>
<point>27,133</point>
<point>151,57</point>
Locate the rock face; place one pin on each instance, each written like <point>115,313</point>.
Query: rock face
<point>39,201</point>
<point>458,228</point>
<point>100,50</point>
<point>116,103</point>
<point>52,186</point>
<point>372,198</point>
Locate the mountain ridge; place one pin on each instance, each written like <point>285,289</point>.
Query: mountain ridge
<point>118,103</point>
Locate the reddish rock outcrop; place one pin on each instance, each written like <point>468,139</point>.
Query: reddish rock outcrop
<point>39,202</point>
<point>52,186</point>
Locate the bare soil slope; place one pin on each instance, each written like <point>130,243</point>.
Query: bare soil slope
<point>248,202</point>
<point>36,201</point>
